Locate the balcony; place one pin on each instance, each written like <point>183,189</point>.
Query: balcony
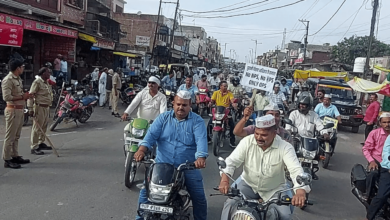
<point>48,5</point>
<point>99,6</point>
<point>102,26</point>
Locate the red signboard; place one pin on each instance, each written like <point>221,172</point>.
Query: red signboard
<point>37,26</point>
<point>104,44</point>
<point>11,35</point>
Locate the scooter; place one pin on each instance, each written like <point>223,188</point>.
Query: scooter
<point>328,145</point>
<point>204,100</point>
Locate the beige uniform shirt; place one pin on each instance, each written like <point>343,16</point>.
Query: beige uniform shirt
<point>260,102</point>
<point>264,171</point>
<point>236,90</point>
<point>12,86</point>
<point>42,93</point>
<point>116,80</point>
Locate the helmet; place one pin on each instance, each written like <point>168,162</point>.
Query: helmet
<point>236,81</point>
<point>305,101</point>
<point>305,86</point>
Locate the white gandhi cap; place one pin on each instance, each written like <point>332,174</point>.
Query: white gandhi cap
<point>184,94</point>
<point>385,115</point>
<point>328,96</point>
<point>265,121</point>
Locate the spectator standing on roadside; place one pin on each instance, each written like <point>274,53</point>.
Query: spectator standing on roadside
<point>109,88</point>
<point>57,65</point>
<point>371,114</point>
<point>116,86</point>
<point>64,69</point>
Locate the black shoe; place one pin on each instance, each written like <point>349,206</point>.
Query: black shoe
<point>109,107</point>
<point>116,115</point>
<point>19,160</point>
<point>37,152</point>
<point>112,113</point>
<point>43,146</point>
<point>233,143</point>
<point>315,177</point>
<point>9,164</point>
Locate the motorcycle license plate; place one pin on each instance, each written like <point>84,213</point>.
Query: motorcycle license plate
<point>130,139</point>
<point>79,92</point>
<point>156,208</point>
<point>217,122</point>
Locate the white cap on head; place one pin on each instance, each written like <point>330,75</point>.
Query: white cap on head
<point>184,94</point>
<point>154,79</point>
<point>277,85</point>
<point>96,69</point>
<point>385,115</point>
<point>265,121</point>
<point>271,107</point>
<point>328,96</point>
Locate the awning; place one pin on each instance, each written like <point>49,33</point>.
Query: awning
<point>382,69</point>
<point>126,54</point>
<point>87,38</point>
<point>304,74</point>
<point>365,86</point>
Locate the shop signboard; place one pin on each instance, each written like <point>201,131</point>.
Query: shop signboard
<point>142,41</point>
<point>11,35</point>
<point>104,44</point>
<point>37,26</point>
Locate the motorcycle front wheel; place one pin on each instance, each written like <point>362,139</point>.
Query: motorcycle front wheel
<point>85,115</point>
<point>130,169</point>
<point>216,142</point>
<point>325,162</point>
<point>54,125</point>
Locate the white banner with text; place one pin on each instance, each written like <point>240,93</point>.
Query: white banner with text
<point>259,77</point>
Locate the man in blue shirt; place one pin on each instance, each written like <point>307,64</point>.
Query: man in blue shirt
<point>327,109</point>
<point>181,137</point>
<point>169,81</point>
<point>189,87</point>
<point>384,183</point>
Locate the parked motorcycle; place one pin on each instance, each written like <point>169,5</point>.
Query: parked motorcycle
<point>128,94</point>
<point>255,209</point>
<point>204,100</point>
<point>76,107</point>
<point>167,194</point>
<point>220,116</point>
<point>328,144</point>
<point>134,132</point>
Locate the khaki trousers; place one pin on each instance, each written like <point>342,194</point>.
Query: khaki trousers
<point>108,98</point>
<point>13,127</point>
<point>114,101</point>
<point>42,117</point>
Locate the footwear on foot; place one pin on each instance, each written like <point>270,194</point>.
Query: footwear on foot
<point>43,146</point>
<point>112,113</point>
<point>233,143</point>
<point>117,115</point>
<point>19,160</point>
<point>109,107</point>
<point>9,164</point>
<point>37,152</point>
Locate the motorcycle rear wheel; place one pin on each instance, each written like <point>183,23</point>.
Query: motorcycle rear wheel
<point>325,163</point>
<point>130,169</point>
<point>85,115</point>
<point>216,142</point>
<point>54,125</point>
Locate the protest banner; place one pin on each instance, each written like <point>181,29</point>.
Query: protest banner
<point>259,77</point>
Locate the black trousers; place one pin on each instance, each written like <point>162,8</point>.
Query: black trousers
<point>368,130</point>
<point>381,197</point>
<point>372,177</point>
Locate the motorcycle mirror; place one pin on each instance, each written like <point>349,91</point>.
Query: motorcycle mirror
<point>221,163</point>
<point>210,115</point>
<point>329,125</point>
<point>304,178</point>
<point>287,121</point>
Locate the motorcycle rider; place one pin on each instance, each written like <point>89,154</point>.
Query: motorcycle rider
<point>214,81</point>
<point>270,109</point>
<point>169,81</point>
<point>188,86</point>
<point>262,180</point>
<point>285,88</point>
<point>372,151</point>
<point>181,137</point>
<point>224,98</point>
<point>260,102</point>
<point>235,87</point>
<point>203,83</point>
<point>384,182</point>
<point>320,97</point>
<point>149,102</point>
<point>327,109</point>
<point>305,92</point>
<point>278,97</point>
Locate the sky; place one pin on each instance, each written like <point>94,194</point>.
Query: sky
<point>267,27</point>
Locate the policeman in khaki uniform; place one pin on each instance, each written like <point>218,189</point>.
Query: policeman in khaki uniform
<point>12,89</point>
<point>39,106</point>
<point>116,86</point>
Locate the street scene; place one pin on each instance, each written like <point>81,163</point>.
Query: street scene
<point>178,110</point>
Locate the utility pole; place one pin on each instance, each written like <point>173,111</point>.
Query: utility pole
<point>256,49</point>
<point>284,39</point>
<point>174,25</point>
<point>224,53</point>
<point>307,34</point>
<point>367,65</point>
<point>155,35</point>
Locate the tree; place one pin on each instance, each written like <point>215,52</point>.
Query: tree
<point>349,49</point>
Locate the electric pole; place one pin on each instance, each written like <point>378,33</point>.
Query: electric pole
<point>256,49</point>
<point>174,25</point>
<point>307,34</point>
<point>155,35</point>
<point>224,53</point>
<point>367,65</point>
<point>284,39</point>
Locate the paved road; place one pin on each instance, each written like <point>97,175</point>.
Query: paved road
<point>86,181</point>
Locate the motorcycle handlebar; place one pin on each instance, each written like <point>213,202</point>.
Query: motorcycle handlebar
<point>186,166</point>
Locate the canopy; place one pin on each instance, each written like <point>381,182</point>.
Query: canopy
<point>365,86</point>
<point>304,74</point>
<point>382,69</point>
<point>125,54</point>
<point>87,37</point>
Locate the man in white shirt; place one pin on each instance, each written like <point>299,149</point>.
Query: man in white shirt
<point>149,102</point>
<point>263,157</point>
<point>214,82</point>
<point>64,68</point>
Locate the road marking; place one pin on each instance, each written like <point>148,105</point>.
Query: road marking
<point>49,135</point>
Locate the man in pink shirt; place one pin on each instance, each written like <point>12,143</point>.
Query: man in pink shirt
<point>57,65</point>
<point>373,148</point>
<point>371,114</point>
<point>203,83</point>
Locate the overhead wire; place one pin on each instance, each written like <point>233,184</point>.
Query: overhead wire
<point>329,18</point>
<point>364,2</point>
<point>297,22</point>
<point>232,9</point>
<point>319,9</point>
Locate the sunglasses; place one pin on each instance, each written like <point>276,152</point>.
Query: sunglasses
<point>152,83</point>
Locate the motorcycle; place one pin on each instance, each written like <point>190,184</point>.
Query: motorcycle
<point>128,94</point>
<point>170,95</point>
<point>167,194</point>
<point>255,209</point>
<point>307,149</point>
<point>220,116</point>
<point>328,145</point>
<point>204,100</point>
<point>134,132</point>
<point>77,107</point>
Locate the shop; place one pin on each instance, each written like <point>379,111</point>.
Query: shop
<point>36,42</point>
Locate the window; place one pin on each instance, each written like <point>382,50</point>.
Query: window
<point>118,9</point>
<point>76,3</point>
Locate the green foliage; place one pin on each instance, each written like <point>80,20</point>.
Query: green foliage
<point>350,48</point>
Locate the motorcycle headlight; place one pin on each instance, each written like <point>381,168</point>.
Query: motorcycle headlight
<point>158,193</point>
<point>137,132</point>
<point>310,155</point>
<point>219,116</point>
<point>243,215</point>
<point>167,92</point>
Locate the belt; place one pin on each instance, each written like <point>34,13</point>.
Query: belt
<point>42,105</point>
<point>15,106</point>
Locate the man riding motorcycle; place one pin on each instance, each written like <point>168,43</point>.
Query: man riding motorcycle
<point>235,87</point>
<point>327,109</point>
<point>203,83</point>
<point>181,137</point>
<point>278,97</point>
<point>169,81</point>
<point>188,86</point>
<point>305,92</point>
<point>149,102</point>
<point>260,180</point>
